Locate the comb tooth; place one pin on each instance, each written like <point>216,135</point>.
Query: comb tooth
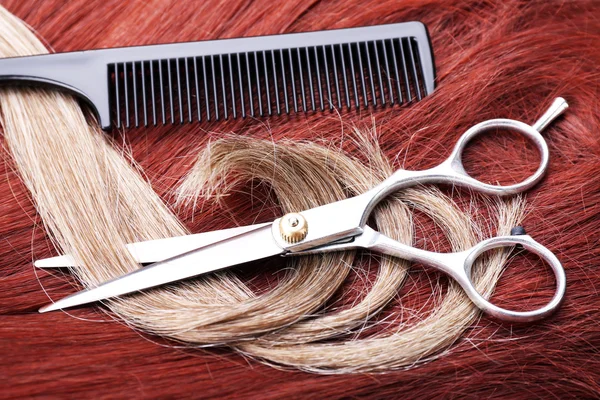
<point>153,92</point>
<point>206,95</point>
<point>187,87</point>
<point>214,80</point>
<point>162,93</point>
<point>232,88</point>
<point>328,83</point>
<point>293,79</point>
<point>197,84</point>
<point>275,83</point>
<point>345,74</point>
<point>285,93</point>
<point>179,89</point>
<point>145,104</point>
<point>396,74</point>
<point>135,97</point>
<point>125,77</point>
<point>259,97</point>
<point>118,100</point>
<point>387,73</point>
<point>249,85</point>
<point>419,67</point>
<point>239,70</point>
<point>268,91</point>
<point>414,69</point>
<point>310,79</point>
<point>336,76</point>
<point>404,72</point>
<point>318,73</point>
<point>301,73</point>
<point>224,91</point>
<point>354,78</point>
<point>371,80</point>
<point>362,76</point>
<point>170,78</point>
<point>378,63</point>
<point>197,88</point>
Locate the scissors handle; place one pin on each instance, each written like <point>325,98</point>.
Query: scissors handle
<point>459,265</point>
<point>452,170</point>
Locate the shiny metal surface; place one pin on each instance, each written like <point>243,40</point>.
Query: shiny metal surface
<point>160,249</point>
<point>342,226</point>
<point>348,217</point>
<point>248,246</point>
<point>458,266</point>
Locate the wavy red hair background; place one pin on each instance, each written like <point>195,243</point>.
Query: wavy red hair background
<point>494,59</point>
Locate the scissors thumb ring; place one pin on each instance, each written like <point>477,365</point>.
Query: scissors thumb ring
<point>454,165</point>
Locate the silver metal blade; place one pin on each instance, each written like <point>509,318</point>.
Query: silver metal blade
<point>248,246</point>
<point>152,251</point>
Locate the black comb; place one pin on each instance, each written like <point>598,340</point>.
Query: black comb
<point>230,78</point>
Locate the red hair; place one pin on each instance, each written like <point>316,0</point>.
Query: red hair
<point>495,59</point>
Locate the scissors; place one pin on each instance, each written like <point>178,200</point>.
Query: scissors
<point>339,226</point>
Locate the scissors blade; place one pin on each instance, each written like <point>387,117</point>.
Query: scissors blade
<point>151,251</point>
<point>249,246</point>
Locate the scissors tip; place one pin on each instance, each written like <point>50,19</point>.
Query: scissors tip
<point>48,308</point>
<point>55,262</point>
<point>41,263</point>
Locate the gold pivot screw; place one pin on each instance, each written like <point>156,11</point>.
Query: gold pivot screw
<point>293,227</point>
